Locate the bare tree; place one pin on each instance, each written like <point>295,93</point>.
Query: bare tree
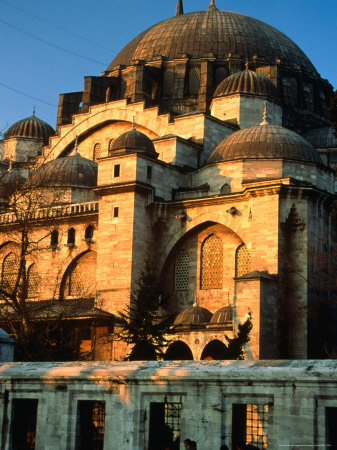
<point>29,226</point>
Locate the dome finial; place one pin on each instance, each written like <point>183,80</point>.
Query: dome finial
<point>33,111</point>
<point>212,6</point>
<point>247,64</point>
<point>133,123</point>
<point>179,8</point>
<point>265,115</point>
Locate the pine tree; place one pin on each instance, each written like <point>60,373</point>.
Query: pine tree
<point>236,345</point>
<point>141,324</point>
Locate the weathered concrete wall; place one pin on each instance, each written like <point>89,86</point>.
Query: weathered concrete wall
<point>296,394</point>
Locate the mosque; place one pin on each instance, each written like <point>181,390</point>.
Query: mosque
<point>205,145</point>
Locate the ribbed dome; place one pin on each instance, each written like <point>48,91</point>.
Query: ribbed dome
<point>265,141</point>
<point>213,32</point>
<point>68,171</point>
<point>321,137</point>
<point>224,316</point>
<point>133,141</point>
<point>195,316</point>
<point>9,183</point>
<point>31,127</point>
<point>247,82</point>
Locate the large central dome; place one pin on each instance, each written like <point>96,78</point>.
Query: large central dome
<point>201,34</point>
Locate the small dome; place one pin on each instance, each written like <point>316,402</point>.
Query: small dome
<point>195,316</point>
<point>321,137</point>
<point>31,127</point>
<point>68,171</point>
<point>9,183</point>
<point>265,141</point>
<point>247,82</point>
<point>224,316</point>
<point>133,141</point>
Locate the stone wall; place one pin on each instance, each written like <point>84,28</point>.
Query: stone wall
<point>292,401</point>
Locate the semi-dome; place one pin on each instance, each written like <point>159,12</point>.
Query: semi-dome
<point>222,317</point>
<point>265,141</point>
<point>322,137</point>
<point>194,316</point>
<point>133,141</point>
<point>30,127</point>
<point>213,33</point>
<point>247,82</point>
<point>66,172</point>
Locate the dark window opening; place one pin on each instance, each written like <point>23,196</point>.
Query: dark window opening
<point>164,431</point>
<point>250,425</point>
<point>54,238</point>
<point>149,172</point>
<point>116,170</point>
<point>116,211</point>
<point>90,425</point>
<point>23,429</point>
<point>331,429</point>
<point>89,233</point>
<point>71,237</point>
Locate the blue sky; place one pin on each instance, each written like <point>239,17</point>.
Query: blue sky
<point>85,36</point>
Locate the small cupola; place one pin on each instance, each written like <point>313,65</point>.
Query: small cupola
<point>194,317</point>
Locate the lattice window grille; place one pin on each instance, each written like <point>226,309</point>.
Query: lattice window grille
<point>97,151</point>
<point>9,271</point>
<point>257,425</point>
<point>212,263</point>
<point>194,81</point>
<point>243,261</point>
<point>220,74</point>
<point>74,286</point>
<point>182,270</point>
<point>33,281</point>
<point>172,417</point>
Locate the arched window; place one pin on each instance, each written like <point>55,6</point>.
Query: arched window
<point>97,151</point>
<point>242,261</point>
<point>80,278</point>
<point>54,238</point>
<point>225,189</point>
<point>89,233</point>
<point>181,278</point>
<point>9,271</point>
<point>220,74</point>
<point>194,81</point>
<point>33,281</point>
<point>178,351</point>
<point>211,263</point>
<point>111,144</point>
<point>71,237</point>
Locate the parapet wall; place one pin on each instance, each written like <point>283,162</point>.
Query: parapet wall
<point>274,404</point>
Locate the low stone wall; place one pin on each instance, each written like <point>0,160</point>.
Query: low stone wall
<point>275,404</point>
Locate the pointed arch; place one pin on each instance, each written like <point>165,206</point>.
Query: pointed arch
<point>32,281</point>
<point>79,280</point>
<point>211,266</point>
<point>215,350</point>
<point>178,351</point>
<point>9,272</point>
